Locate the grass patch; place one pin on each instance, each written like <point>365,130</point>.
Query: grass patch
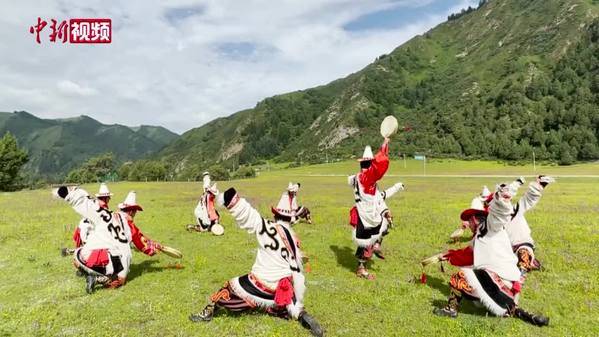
<point>41,296</point>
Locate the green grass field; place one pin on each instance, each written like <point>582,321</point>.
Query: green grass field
<point>40,295</point>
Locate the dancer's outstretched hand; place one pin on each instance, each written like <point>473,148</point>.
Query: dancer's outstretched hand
<point>544,180</point>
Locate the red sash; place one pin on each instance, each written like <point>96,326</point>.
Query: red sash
<point>284,292</point>
<point>77,237</point>
<point>353,217</point>
<point>98,258</point>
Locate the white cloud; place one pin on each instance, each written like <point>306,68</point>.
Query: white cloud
<point>73,89</point>
<point>187,63</point>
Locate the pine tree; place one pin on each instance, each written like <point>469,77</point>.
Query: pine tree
<point>11,160</point>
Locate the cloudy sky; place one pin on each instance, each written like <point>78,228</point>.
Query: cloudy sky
<point>180,64</point>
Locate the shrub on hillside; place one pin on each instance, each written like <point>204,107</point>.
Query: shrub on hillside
<point>244,172</point>
<point>96,169</point>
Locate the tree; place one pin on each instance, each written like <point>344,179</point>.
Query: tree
<point>11,160</point>
<point>244,172</point>
<point>566,157</point>
<point>94,170</point>
<point>144,170</point>
<point>217,172</point>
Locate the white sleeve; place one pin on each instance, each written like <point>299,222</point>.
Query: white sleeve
<point>246,216</point>
<point>514,186</point>
<point>197,212</point>
<point>529,199</point>
<point>87,207</point>
<point>351,180</point>
<point>206,182</point>
<point>392,190</point>
<point>500,213</point>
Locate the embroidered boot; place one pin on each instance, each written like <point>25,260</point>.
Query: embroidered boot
<point>363,272</point>
<point>451,309</point>
<point>205,315</point>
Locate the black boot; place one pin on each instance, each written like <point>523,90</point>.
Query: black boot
<point>310,323</point>
<point>538,320</point>
<point>446,311</point>
<point>205,315</point>
<point>90,283</point>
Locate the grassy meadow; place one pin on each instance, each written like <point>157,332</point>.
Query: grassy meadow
<point>40,295</point>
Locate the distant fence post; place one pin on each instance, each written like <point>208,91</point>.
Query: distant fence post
<point>423,158</point>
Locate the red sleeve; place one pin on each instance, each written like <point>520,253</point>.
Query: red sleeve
<point>376,171</point>
<point>460,257</point>
<point>140,241</point>
<point>77,237</point>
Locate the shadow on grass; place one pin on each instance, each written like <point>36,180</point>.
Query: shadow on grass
<point>224,313</point>
<point>345,257</point>
<point>439,284</point>
<point>467,307</point>
<point>146,266</point>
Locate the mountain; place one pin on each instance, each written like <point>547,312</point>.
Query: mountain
<point>55,146</point>
<point>158,134</point>
<point>507,79</point>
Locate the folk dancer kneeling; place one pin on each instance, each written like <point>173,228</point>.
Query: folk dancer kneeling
<point>206,215</point>
<point>494,278</point>
<point>106,256</point>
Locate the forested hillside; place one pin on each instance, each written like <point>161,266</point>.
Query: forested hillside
<point>500,81</point>
<point>55,146</point>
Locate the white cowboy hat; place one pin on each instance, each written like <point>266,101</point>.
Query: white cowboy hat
<point>367,154</point>
<point>206,180</point>
<point>284,206</point>
<point>485,193</point>
<point>103,191</point>
<point>130,202</point>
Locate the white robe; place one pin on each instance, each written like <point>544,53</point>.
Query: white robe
<point>371,207</point>
<point>371,210</point>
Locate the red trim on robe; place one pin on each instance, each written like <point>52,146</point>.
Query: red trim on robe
<point>97,258</point>
<point>210,206</point>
